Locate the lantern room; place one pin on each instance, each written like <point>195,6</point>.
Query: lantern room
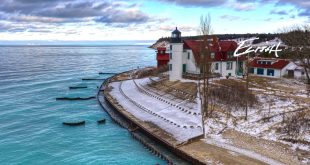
<point>176,36</point>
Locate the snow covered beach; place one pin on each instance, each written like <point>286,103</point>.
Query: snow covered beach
<point>177,121</point>
<point>146,105</point>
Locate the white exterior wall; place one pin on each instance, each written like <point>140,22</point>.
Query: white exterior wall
<point>255,71</point>
<point>284,70</point>
<point>191,66</point>
<point>177,60</point>
<point>298,74</point>
<point>222,68</point>
<point>180,57</point>
<point>231,71</point>
<point>277,73</point>
<point>213,67</point>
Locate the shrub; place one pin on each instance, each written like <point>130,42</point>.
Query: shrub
<point>296,124</point>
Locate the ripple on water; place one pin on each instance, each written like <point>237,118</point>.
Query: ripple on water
<point>31,130</point>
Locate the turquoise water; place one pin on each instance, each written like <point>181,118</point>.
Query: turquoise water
<point>31,130</point>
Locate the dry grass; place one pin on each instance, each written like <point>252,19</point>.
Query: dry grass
<point>181,90</point>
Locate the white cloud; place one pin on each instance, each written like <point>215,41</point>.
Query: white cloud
<point>242,6</point>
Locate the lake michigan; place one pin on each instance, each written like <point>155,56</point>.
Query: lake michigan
<point>31,130</point>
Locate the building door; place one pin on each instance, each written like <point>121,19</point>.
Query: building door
<point>240,68</point>
<point>184,68</point>
<point>290,73</point>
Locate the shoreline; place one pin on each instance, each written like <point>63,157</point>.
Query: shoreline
<point>104,98</point>
<point>195,151</point>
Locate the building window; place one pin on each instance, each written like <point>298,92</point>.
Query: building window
<point>268,63</point>
<point>260,71</point>
<point>170,67</point>
<point>228,65</point>
<point>270,72</point>
<point>216,66</point>
<point>188,55</point>
<point>302,73</point>
<point>170,47</point>
<point>230,54</point>
<point>212,55</point>
<point>170,56</point>
<point>252,70</point>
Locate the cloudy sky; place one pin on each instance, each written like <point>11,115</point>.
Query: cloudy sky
<point>77,20</point>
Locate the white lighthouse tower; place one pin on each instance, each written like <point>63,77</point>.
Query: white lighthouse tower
<point>176,52</point>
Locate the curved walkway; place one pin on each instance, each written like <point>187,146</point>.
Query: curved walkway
<point>151,108</point>
<point>143,108</point>
<point>152,112</point>
<point>160,98</point>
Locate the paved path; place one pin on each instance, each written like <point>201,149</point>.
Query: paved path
<point>200,150</point>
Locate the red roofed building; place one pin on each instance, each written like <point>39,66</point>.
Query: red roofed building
<point>162,57</point>
<point>185,57</point>
<point>270,67</point>
<point>223,61</point>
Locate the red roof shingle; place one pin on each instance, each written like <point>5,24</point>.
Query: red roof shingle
<point>220,48</point>
<point>276,64</point>
<point>161,48</point>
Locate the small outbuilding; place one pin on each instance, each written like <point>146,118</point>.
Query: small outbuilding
<point>270,67</point>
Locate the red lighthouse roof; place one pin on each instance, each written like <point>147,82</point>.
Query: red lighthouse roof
<point>161,48</point>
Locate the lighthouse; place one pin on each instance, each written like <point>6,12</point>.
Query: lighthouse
<point>175,56</point>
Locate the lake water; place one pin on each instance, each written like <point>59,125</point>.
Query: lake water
<point>31,130</point>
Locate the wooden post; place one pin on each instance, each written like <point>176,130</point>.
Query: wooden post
<point>247,88</point>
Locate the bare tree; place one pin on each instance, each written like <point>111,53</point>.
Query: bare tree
<point>233,95</point>
<point>247,87</point>
<point>205,67</point>
<point>298,40</point>
<point>205,25</point>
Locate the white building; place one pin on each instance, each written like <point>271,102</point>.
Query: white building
<point>268,67</point>
<point>297,71</point>
<point>185,58</point>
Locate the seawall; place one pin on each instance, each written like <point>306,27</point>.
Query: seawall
<point>135,124</point>
<point>195,151</point>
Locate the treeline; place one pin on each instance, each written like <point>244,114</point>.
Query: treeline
<point>262,37</point>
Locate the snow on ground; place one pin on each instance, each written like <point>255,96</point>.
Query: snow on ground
<point>273,102</point>
<point>245,152</point>
<point>275,97</point>
<point>182,119</point>
<point>170,115</point>
<point>255,126</point>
